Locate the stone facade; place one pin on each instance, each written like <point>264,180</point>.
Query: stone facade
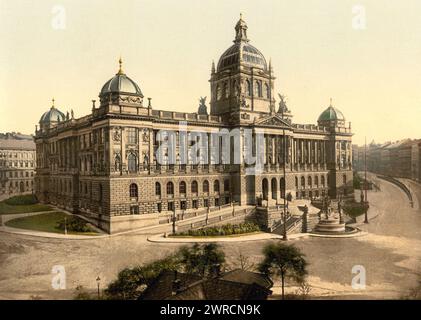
<point>106,165</point>
<point>17,165</point>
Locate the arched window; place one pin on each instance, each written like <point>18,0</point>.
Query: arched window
<point>303,182</point>
<point>170,188</point>
<point>344,179</point>
<point>226,91</point>
<point>316,181</point>
<point>258,89</point>
<point>205,186</point>
<point>157,189</point>
<point>182,187</point>
<point>133,190</point>
<point>282,187</point>
<point>234,87</point>
<point>248,87</point>
<point>322,179</point>
<point>296,182</point>
<point>194,187</point>
<point>218,92</point>
<point>265,189</point>
<point>274,186</point>
<point>216,186</point>
<point>267,91</point>
<point>310,182</point>
<point>132,161</point>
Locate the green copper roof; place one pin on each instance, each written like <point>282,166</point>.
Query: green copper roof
<point>331,113</point>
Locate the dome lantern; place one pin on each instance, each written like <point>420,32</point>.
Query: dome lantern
<point>241,52</point>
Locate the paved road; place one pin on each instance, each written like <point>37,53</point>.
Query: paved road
<point>390,253</point>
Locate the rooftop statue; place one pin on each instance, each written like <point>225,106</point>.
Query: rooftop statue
<point>282,104</point>
<point>203,109</point>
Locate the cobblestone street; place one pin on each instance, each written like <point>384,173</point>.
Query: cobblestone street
<point>390,253</point>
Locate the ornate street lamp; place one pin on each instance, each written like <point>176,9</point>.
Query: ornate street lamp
<point>284,237</point>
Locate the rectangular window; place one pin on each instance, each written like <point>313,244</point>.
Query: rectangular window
<point>132,135</point>
<point>159,205</point>
<point>194,204</point>
<point>183,205</point>
<point>206,203</point>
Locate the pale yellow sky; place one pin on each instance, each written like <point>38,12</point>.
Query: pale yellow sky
<point>373,75</point>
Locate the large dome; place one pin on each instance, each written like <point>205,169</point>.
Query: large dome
<point>331,113</point>
<point>241,48</point>
<point>121,83</point>
<point>52,115</point>
<point>251,57</point>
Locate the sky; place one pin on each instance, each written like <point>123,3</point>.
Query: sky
<point>365,55</point>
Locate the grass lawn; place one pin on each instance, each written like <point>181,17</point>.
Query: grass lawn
<point>11,209</point>
<point>46,222</point>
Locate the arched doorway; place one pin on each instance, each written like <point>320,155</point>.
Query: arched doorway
<point>282,187</point>
<point>274,186</point>
<point>265,188</point>
<point>22,187</point>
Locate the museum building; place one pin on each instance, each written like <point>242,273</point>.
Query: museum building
<point>104,165</point>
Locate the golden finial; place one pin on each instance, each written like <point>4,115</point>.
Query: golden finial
<point>52,106</point>
<point>120,62</point>
<point>241,16</point>
<point>331,102</point>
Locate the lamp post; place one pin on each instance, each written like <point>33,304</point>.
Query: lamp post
<point>340,208</point>
<point>173,220</point>
<point>365,183</point>
<point>98,280</point>
<point>284,237</point>
<point>65,225</point>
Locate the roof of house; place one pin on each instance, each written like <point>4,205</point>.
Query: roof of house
<point>234,285</point>
<point>15,144</point>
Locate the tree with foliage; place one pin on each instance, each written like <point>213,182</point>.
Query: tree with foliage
<point>284,261</point>
<point>202,259</point>
<point>131,282</point>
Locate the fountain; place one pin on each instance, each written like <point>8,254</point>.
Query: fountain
<point>331,222</point>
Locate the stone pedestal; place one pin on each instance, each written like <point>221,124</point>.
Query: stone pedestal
<point>330,225</point>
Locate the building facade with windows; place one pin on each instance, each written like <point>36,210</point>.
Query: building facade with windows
<point>107,165</point>
<point>17,165</point>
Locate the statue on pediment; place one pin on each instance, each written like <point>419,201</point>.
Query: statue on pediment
<point>283,108</point>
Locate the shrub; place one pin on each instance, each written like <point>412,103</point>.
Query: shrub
<point>224,230</point>
<point>22,200</point>
<point>74,224</point>
<point>354,209</point>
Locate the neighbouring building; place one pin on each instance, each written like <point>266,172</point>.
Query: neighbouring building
<point>17,164</point>
<point>399,159</point>
<point>233,285</point>
<point>105,165</point>
<point>415,161</point>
